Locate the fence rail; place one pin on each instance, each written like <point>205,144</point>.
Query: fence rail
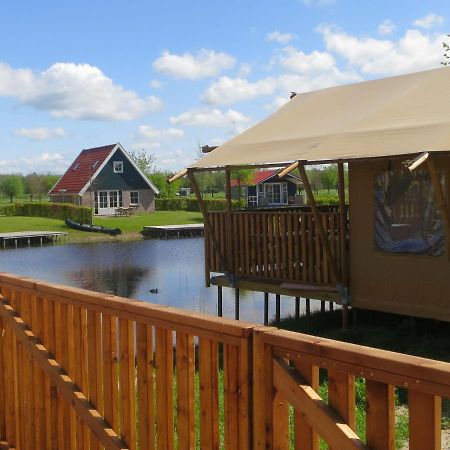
<point>274,245</point>
<point>83,370</point>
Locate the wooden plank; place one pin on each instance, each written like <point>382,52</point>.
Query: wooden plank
<point>272,244</point>
<point>231,395</point>
<point>305,436</point>
<point>185,368</point>
<point>209,397</point>
<point>2,382</point>
<point>315,411</point>
<point>38,376</point>
<point>110,370</point>
<point>262,391</point>
<point>127,382</point>
<point>424,421</point>
<point>145,380</point>
<point>280,421</point>
<point>380,415</point>
<point>63,382</point>
<point>164,388</point>
<point>245,381</point>
<point>342,225</point>
<point>277,245</point>
<point>93,356</point>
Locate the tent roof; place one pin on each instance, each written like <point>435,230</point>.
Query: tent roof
<point>380,118</point>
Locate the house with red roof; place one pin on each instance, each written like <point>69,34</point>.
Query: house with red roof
<point>106,178</point>
<point>267,189</point>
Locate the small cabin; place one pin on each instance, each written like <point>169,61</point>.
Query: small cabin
<point>267,189</point>
<point>107,179</point>
<point>385,247</point>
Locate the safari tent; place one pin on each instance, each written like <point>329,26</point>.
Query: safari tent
<point>386,247</point>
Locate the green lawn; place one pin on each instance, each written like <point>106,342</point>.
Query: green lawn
<point>130,226</point>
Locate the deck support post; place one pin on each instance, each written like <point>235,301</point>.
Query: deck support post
<point>266,308</point>
<point>219,301</point>
<point>308,306</point>
<point>297,307</point>
<point>343,243</point>
<point>207,224</point>
<point>229,222</point>
<point>236,304</point>
<point>277,308</point>
<point>322,306</point>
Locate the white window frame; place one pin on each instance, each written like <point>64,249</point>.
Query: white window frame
<point>131,201</point>
<point>118,166</point>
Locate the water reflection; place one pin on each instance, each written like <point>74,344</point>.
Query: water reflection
<point>137,269</point>
<point>118,280</point>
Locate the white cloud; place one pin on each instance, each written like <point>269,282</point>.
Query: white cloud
<point>228,90</point>
<point>413,52</point>
<point>429,21</point>
<point>281,38</point>
<point>203,64</point>
<point>40,134</point>
<point>211,118</point>
<point>150,132</point>
<point>76,91</point>
<point>296,61</point>
<point>245,70</point>
<point>156,84</point>
<point>386,28</point>
<point>43,163</point>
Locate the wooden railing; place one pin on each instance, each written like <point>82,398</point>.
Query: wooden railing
<point>83,370</point>
<point>274,245</point>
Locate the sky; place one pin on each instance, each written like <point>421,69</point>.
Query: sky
<point>168,77</point>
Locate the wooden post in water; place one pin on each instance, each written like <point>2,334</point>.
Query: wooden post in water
<point>322,305</point>
<point>297,307</point>
<point>308,306</point>
<point>266,308</point>
<point>236,304</point>
<point>219,301</point>
<point>277,308</point>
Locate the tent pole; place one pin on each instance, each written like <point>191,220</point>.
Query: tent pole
<point>207,223</point>
<point>343,238</point>
<point>319,225</point>
<point>440,196</point>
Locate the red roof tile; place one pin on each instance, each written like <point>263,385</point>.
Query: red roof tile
<point>257,177</point>
<point>82,169</point>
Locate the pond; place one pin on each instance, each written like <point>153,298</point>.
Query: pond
<point>135,269</point>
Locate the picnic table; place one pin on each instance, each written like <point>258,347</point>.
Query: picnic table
<point>124,212</point>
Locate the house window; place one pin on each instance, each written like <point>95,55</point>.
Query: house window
<point>406,217</point>
<point>118,166</point>
<point>134,198</point>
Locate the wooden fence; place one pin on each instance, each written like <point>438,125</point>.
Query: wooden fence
<point>82,370</point>
<point>274,245</point>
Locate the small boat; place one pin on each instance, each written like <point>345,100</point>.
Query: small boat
<point>93,228</point>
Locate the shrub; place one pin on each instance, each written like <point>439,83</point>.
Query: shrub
<point>49,210</point>
<point>191,204</point>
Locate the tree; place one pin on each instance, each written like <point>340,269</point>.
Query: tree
<point>166,190</point>
<point>329,177</point>
<point>144,161</point>
<point>314,179</point>
<point>243,177</point>
<point>12,186</point>
<point>446,60</point>
<point>35,185</point>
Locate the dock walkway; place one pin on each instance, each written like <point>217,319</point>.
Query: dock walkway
<point>174,231</point>
<point>30,237</point>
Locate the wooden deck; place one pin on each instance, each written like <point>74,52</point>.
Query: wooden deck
<point>173,231</point>
<point>29,237</point>
<point>87,370</point>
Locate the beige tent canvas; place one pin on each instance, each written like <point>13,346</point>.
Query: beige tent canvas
<point>392,116</point>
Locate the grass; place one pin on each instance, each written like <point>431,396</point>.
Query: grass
<point>130,226</point>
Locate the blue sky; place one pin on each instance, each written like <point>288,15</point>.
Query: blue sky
<point>169,76</point>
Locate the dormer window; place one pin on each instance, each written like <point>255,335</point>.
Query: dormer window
<point>75,167</point>
<point>95,164</point>
<point>118,166</point>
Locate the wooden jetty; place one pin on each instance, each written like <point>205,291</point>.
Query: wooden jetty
<point>173,231</point>
<point>29,237</point>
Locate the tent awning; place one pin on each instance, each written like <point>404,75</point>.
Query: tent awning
<point>380,118</point>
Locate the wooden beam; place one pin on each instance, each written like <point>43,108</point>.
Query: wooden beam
<point>76,399</point>
<point>178,175</point>
<point>288,169</point>
<point>440,196</point>
<point>314,410</point>
<point>229,221</point>
<point>207,223</point>
<point>319,225</point>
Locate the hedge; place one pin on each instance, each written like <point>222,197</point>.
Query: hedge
<point>50,210</point>
<point>191,204</point>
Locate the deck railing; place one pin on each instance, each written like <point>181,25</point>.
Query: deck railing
<point>83,370</point>
<point>282,245</point>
